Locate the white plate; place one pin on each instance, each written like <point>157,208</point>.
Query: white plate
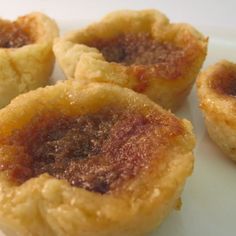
<point>209,199</point>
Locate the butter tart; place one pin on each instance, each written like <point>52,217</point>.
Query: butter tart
<point>26,57</point>
<point>217,95</point>
<point>90,159</point>
<point>140,50</point>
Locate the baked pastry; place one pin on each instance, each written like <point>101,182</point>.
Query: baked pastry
<point>216,92</point>
<point>140,50</point>
<point>26,57</point>
<point>90,159</point>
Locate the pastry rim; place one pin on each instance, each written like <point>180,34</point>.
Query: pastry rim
<point>110,212</point>
<point>87,64</point>
<point>212,101</point>
<point>30,66</point>
<point>218,108</point>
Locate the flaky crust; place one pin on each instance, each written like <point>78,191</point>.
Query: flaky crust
<point>48,206</point>
<point>87,64</point>
<point>30,66</point>
<point>219,108</point>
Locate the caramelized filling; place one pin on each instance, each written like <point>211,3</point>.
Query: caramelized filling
<point>224,81</point>
<point>12,35</point>
<point>97,152</point>
<point>145,57</point>
<point>136,49</point>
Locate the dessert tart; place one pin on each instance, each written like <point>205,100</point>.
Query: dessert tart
<point>217,95</point>
<point>140,50</point>
<point>26,57</point>
<point>90,159</point>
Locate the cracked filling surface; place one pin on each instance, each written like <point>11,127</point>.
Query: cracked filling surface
<point>97,152</point>
<point>12,35</point>
<point>224,81</point>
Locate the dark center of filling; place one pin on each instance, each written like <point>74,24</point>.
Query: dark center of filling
<point>13,36</point>
<point>224,81</point>
<point>97,152</point>
<point>137,49</point>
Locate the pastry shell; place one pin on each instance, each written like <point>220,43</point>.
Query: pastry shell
<point>216,91</point>
<point>171,81</point>
<point>45,205</point>
<point>30,66</point>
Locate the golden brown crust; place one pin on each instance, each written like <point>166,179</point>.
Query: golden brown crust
<point>135,208</point>
<point>216,86</point>
<point>30,66</point>
<point>167,82</point>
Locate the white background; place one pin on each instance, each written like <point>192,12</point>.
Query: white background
<point>209,200</point>
<point>203,12</point>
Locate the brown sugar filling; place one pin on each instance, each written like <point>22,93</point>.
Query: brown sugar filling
<point>12,35</point>
<point>97,152</point>
<point>224,81</point>
<point>145,57</point>
<point>136,49</point>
